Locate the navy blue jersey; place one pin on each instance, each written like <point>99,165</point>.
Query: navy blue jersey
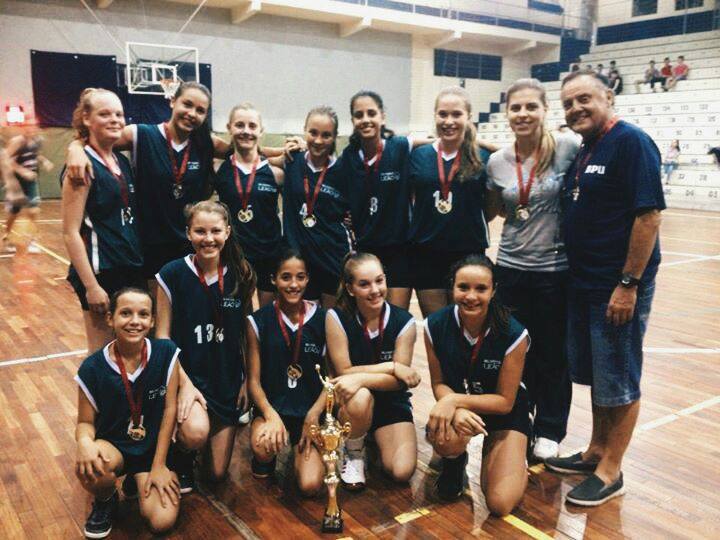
<point>463,228</point>
<point>215,368</point>
<point>100,380</point>
<point>380,202</point>
<point>109,228</point>
<point>328,241</point>
<point>162,219</point>
<point>286,397</point>
<point>621,179</point>
<point>453,348</point>
<point>397,321</point>
<point>260,237</point>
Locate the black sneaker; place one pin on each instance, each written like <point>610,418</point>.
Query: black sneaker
<point>451,481</point>
<point>129,488</point>
<point>593,492</point>
<point>99,522</point>
<point>571,464</point>
<point>183,463</point>
<point>187,481</point>
<point>260,469</point>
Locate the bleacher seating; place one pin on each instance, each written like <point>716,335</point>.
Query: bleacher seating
<point>690,112</point>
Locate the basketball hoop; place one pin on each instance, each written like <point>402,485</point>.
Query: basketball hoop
<point>169,87</point>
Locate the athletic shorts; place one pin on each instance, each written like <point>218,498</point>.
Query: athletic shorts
<point>321,282</point>
<point>389,410</point>
<point>158,255</point>
<point>134,464</point>
<point>430,268</point>
<point>518,419</point>
<point>396,264</point>
<point>32,197</point>
<point>293,424</point>
<point>110,280</point>
<point>264,268</point>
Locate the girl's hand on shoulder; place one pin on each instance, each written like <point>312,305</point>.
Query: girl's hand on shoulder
<point>187,395</point>
<point>78,168</point>
<point>306,441</point>
<point>293,144</point>
<point>468,423</point>
<point>91,462</point>
<point>407,375</point>
<point>346,386</point>
<point>166,483</point>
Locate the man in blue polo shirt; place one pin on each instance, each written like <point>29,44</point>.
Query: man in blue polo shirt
<point>612,203</point>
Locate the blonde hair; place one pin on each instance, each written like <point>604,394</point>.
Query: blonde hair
<point>546,150</point>
<point>85,106</point>
<point>470,162</point>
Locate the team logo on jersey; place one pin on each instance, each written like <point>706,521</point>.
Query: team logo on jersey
<point>232,303</point>
<point>386,356</point>
<point>492,364</point>
<point>267,188</point>
<point>329,190</point>
<point>193,165</point>
<point>595,169</point>
<point>390,176</point>
<point>157,392</point>
<point>311,348</point>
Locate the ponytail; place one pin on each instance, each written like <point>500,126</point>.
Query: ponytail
<point>85,106</point>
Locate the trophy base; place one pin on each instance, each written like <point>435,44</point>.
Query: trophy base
<point>332,524</point>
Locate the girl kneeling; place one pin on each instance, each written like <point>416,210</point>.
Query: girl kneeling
<point>126,416</point>
<point>476,353</point>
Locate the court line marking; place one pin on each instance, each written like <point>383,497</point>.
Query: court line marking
<point>231,517</point>
<point>43,358</point>
<point>698,259</point>
<point>673,214</point>
<point>48,251</point>
<point>662,237</point>
<point>681,350</point>
<point>415,513</point>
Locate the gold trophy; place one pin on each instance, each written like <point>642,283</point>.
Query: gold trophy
<point>328,438</point>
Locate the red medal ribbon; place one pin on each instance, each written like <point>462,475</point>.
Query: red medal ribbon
<point>584,161</point>
<point>217,306</point>
<point>177,173</point>
<point>524,189</point>
<point>376,167</point>
<point>445,183</point>
<point>475,349</point>
<point>244,194</point>
<point>119,178</point>
<point>286,335</point>
<point>135,399</point>
<point>377,350</point>
<point>310,202</point>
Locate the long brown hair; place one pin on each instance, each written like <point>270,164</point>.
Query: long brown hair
<point>84,107</point>
<point>231,255</point>
<point>470,162</point>
<point>546,150</point>
<point>344,300</point>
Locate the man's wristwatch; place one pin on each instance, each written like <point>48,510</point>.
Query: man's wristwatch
<point>628,281</point>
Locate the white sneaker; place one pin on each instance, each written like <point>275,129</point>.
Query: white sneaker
<point>353,470</point>
<point>545,448</point>
<point>33,248</point>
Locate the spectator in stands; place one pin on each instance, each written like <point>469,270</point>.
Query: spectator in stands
<point>679,73</point>
<point>590,68</point>
<point>601,70</point>
<point>666,71</point>
<point>670,161</point>
<point>574,67</point>
<point>613,66</point>
<point>715,152</point>
<point>615,82</point>
<point>652,76</point>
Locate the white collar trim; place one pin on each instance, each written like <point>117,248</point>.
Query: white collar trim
<point>374,158</point>
<point>247,170</point>
<point>177,147</point>
<point>308,315</point>
<point>331,162</point>
<point>446,157</point>
<point>471,340</point>
<point>132,377</point>
<point>375,333</point>
<point>90,150</point>
<point>191,265</point>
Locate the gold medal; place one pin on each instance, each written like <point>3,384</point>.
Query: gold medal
<point>245,215</point>
<point>522,213</point>
<point>444,206</point>
<point>309,221</point>
<point>294,371</point>
<point>177,191</point>
<point>136,433</point>
<point>575,194</point>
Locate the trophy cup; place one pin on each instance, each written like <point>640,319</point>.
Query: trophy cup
<point>328,437</point>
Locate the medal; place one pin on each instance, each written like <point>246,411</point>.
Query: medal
<point>245,214</point>
<point>522,210</point>
<point>126,216</point>
<point>443,204</point>
<point>581,163</point>
<point>294,370</point>
<point>376,350</point>
<point>219,334</point>
<point>467,381</point>
<point>373,201</point>
<point>125,211</point>
<point>178,172</point>
<point>309,220</point>
<point>136,430</point>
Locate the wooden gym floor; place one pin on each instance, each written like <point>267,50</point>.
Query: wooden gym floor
<point>671,468</point>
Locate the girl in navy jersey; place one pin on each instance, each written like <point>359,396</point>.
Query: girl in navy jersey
<point>99,226</point>
<point>202,303</point>
<point>379,192</point>
<point>476,352</point>
<point>286,340</point>
<point>448,183</point>
<point>173,164</point>
<point>370,343</point>
<point>126,416</point>
<point>315,203</point>
<point>250,186</point>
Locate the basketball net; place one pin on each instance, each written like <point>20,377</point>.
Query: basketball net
<point>169,87</point>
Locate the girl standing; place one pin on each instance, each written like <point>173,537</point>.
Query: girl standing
<point>203,300</point>
<point>126,416</point>
<point>448,182</point>
<point>476,352</point>
<point>286,340</point>
<point>370,343</point>
<point>532,268</point>
<point>250,186</point>
<point>99,226</point>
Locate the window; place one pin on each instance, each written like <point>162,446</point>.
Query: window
<point>644,7</point>
<point>467,65</point>
<point>687,4</point>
